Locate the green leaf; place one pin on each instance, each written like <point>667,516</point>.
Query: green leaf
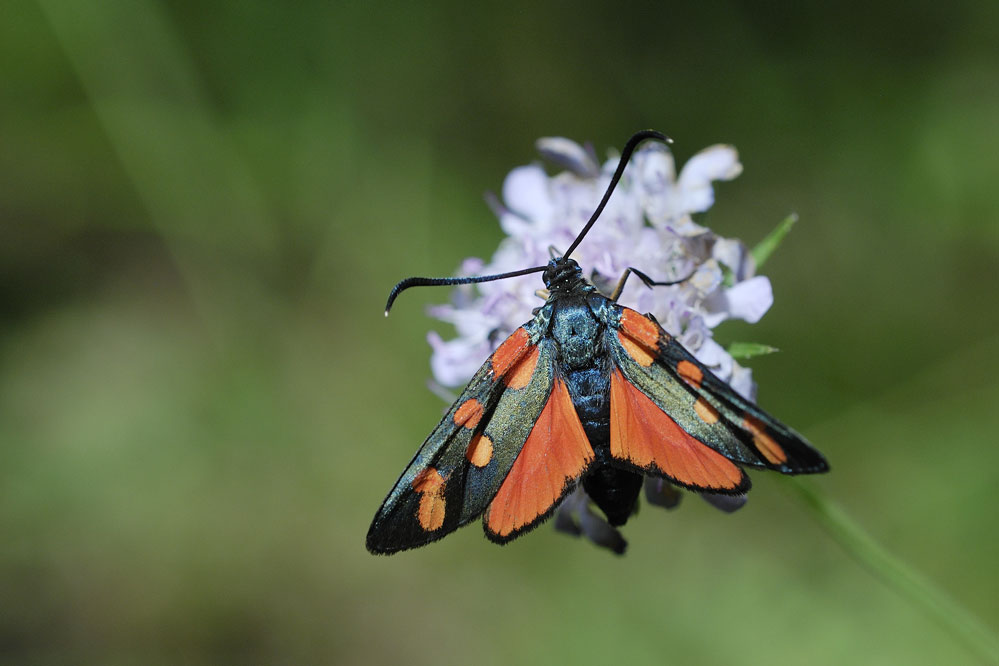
<point>766,247</point>
<point>749,349</point>
<point>728,277</point>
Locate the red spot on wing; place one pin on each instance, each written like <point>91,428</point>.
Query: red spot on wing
<point>514,361</point>
<point>690,373</point>
<point>639,336</point>
<point>705,411</point>
<point>508,353</point>
<point>640,327</point>
<point>637,351</point>
<point>520,374</point>
<point>766,444</point>
<point>644,435</point>
<point>430,484</point>
<point>469,413</point>
<point>555,453</point>
<point>480,450</point>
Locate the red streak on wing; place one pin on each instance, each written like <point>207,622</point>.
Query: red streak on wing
<point>647,437</point>
<point>555,454</point>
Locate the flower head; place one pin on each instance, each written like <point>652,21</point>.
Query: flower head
<point>647,224</point>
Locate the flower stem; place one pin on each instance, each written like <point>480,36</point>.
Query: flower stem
<point>899,576</point>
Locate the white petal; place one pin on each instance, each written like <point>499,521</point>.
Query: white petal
<point>733,254</point>
<point>569,155</point>
<point>715,317</point>
<point>656,170</point>
<point>453,363</point>
<point>714,356</point>
<point>514,225</point>
<point>742,382</point>
<point>683,225</point>
<point>714,163</point>
<point>525,191</point>
<point>750,299</point>
<point>718,162</point>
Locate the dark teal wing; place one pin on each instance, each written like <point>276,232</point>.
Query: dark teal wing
<point>459,468</point>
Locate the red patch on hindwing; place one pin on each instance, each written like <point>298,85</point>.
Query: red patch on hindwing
<point>555,454</point>
<point>644,435</point>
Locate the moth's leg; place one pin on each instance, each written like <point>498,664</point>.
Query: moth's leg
<point>646,280</point>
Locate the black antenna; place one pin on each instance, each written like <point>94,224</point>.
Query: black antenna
<point>443,282</point>
<point>629,148</point>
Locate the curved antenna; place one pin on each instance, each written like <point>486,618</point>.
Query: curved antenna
<point>443,282</point>
<point>629,148</point>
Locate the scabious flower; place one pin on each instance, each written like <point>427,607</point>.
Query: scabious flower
<point>647,224</point>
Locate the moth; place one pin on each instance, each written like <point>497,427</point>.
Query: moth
<point>587,392</point>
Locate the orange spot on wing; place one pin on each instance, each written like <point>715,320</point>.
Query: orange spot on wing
<point>428,481</point>
<point>766,444</point>
<point>469,413</point>
<point>639,327</point>
<point>480,450</point>
<point>510,351</point>
<point>647,437</point>
<point>704,410</point>
<point>520,375</point>
<point>690,373</point>
<point>430,484</point>
<point>637,352</point>
<point>639,336</point>
<point>431,511</point>
<point>555,453</point>
<point>511,363</point>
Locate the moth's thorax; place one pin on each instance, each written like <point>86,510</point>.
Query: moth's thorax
<point>576,331</point>
<point>563,276</point>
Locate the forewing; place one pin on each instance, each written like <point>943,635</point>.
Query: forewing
<point>655,371</point>
<point>547,468</point>
<point>460,466</point>
<point>775,445</point>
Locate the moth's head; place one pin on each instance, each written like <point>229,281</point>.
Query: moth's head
<point>562,274</point>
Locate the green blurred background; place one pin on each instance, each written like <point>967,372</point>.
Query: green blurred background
<point>203,206</point>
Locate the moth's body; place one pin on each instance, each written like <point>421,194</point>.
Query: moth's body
<point>577,323</point>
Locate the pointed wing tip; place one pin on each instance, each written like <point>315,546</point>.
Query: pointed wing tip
<point>376,548</point>
<point>375,545</point>
<point>384,546</point>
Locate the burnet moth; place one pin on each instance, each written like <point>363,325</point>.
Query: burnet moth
<point>587,392</point>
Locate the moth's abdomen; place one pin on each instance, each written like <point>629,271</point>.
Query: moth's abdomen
<point>614,490</point>
<point>590,393</point>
